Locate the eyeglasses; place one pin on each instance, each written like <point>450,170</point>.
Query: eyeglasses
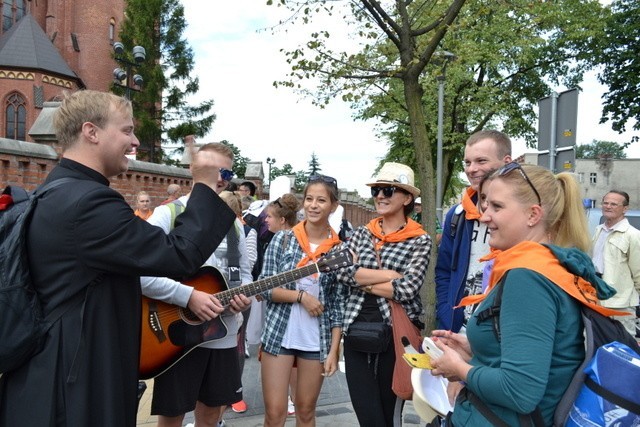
<point>323,178</point>
<point>386,191</point>
<point>277,202</point>
<point>226,174</point>
<point>513,166</point>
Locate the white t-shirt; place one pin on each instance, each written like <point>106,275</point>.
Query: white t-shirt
<point>479,248</point>
<point>303,330</point>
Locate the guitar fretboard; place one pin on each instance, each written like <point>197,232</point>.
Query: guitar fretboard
<point>263,285</point>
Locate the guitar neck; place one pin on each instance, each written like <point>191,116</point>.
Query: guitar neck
<point>263,285</point>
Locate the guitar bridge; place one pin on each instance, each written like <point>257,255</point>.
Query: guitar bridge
<point>154,322</point>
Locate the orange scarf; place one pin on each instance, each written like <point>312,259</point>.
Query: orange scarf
<point>470,208</point>
<point>546,264</point>
<point>411,229</point>
<point>303,240</point>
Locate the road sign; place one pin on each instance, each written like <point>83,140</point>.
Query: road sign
<point>557,122</point>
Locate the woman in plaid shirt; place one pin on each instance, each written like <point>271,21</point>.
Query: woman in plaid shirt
<point>303,321</point>
<point>392,253</point>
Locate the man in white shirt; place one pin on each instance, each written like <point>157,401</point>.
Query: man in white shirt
<point>616,255</point>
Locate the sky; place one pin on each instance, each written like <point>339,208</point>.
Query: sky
<point>237,64</point>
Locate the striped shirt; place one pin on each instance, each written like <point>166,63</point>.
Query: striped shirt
<point>409,258</point>
<point>283,254</point>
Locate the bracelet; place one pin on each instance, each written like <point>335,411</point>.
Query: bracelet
<point>299,300</point>
<point>368,288</point>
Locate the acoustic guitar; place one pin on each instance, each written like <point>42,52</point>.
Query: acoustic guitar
<point>170,332</point>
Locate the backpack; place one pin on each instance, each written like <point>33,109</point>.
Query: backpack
<point>598,330</point>
<point>22,324</point>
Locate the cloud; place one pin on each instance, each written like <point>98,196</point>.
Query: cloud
<point>237,66</point>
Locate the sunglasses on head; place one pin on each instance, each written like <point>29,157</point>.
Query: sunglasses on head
<point>277,202</point>
<point>513,166</point>
<point>226,174</point>
<point>386,191</point>
<point>323,178</point>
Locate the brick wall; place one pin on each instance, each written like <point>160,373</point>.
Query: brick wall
<point>27,164</point>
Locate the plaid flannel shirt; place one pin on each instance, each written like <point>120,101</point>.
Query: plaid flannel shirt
<point>410,258</point>
<point>283,254</point>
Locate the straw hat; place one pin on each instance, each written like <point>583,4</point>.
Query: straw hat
<point>396,175</point>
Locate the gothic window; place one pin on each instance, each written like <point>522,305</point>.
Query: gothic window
<point>16,117</point>
<point>12,12</point>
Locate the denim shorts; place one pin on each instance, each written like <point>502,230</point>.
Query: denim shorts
<point>302,354</point>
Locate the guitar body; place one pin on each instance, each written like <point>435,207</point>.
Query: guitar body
<point>170,332</point>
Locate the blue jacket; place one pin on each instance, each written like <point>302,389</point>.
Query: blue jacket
<point>451,269</point>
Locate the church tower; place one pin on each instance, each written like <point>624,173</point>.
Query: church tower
<point>49,46</point>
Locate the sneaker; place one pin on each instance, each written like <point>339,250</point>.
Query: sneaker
<point>246,350</point>
<point>239,407</point>
<point>291,409</point>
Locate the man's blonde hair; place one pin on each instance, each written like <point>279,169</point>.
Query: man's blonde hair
<point>84,106</point>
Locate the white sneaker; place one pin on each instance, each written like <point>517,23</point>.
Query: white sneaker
<point>189,425</point>
<point>291,409</point>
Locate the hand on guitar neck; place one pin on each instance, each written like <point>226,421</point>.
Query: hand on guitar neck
<point>208,307</point>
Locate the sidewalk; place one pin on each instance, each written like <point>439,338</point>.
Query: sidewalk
<point>334,405</point>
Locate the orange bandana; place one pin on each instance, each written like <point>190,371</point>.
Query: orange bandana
<point>411,229</point>
<point>303,241</point>
<point>546,264</point>
<point>470,208</point>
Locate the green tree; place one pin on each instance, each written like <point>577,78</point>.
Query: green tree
<point>314,165</point>
<point>161,108</point>
<point>392,76</point>
<point>597,149</point>
<point>621,66</point>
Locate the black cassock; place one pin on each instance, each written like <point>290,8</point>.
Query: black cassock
<point>80,232</point>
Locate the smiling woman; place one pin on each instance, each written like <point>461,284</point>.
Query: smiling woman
<point>392,254</point>
<point>538,229</point>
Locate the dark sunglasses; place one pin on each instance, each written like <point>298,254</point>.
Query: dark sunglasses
<point>513,166</point>
<point>226,174</point>
<point>277,202</point>
<point>386,191</point>
<point>323,178</point>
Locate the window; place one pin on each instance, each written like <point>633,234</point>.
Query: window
<point>16,117</point>
<point>593,178</point>
<point>12,12</point>
<point>580,177</point>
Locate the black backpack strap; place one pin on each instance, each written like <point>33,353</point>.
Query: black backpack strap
<point>493,312</point>
<point>233,255</point>
<point>612,397</point>
<point>53,184</point>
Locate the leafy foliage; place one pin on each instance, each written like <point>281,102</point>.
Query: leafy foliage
<point>621,66</point>
<point>161,108</point>
<point>597,149</point>
<point>509,52</point>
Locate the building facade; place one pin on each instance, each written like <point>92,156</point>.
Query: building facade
<point>51,46</point>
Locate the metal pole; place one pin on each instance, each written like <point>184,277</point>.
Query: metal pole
<point>439,150</point>
<point>552,130</point>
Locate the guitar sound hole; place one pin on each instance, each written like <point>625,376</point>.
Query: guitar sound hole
<point>189,317</point>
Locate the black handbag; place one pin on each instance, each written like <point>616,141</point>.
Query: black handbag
<point>368,337</point>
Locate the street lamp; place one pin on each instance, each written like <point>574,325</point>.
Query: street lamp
<point>443,58</point>
<point>270,161</point>
<point>131,83</point>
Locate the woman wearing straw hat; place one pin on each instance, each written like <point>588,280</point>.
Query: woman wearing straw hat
<point>391,254</point>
